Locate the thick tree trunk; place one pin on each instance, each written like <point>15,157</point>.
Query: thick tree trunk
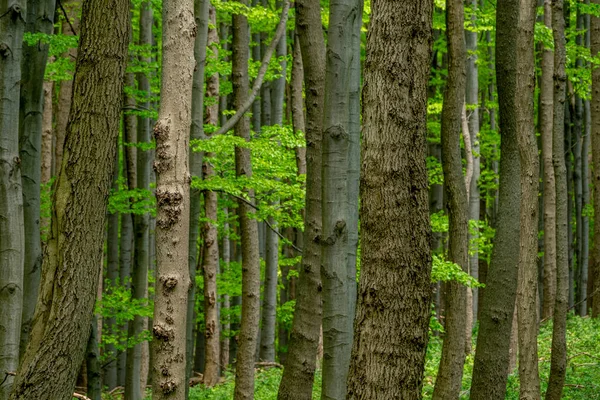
<point>298,375</point>
<point>139,272</point>
<point>559,345</point>
<point>388,354</point>
<point>40,19</point>
<point>496,314</point>
<point>449,378</point>
<point>173,202</point>
<point>71,263</point>
<point>528,152</point>
<point>196,132</point>
<point>210,266</point>
<point>244,373</point>
<point>13,15</point>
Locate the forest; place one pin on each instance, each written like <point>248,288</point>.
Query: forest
<point>299,199</point>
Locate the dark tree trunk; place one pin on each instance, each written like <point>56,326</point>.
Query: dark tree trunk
<point>94,379</point>
<point>595,106</point>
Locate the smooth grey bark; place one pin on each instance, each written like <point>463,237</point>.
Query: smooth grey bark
<point>256,53</point>
<point>13,15</point>
<point>558,363</point>
<point>94,378</point>
<point>577,172</point>
<point>391,331</point>
<point>196,132</point>
<point>40,19</point>
<point>337,333</point>
<point>595,142</point>
<point>496,313</point>
<point>472,103</point>
<point>139,272</point>
<point>225,252</point>
<point>585,177</point>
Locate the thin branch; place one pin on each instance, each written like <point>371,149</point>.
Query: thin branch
<point>261,73</point>
<point>67,17</point>
<point>6,375</point>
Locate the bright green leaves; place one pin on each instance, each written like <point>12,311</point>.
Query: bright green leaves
<point>446,271</point>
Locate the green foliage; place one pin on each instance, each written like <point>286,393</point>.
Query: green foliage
<point>444,270</point>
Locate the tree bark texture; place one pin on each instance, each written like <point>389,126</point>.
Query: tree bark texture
<point>496,314</point>
<point>449,378</point>
<point>595,106</point>
<point>298,374</point>
<point>244,373</point>
<point>390,341</point>
<point>558,364</point>
<point>92,355</point>
<point>13,15</point>
<point>74,251</point>
<point>528,152</point>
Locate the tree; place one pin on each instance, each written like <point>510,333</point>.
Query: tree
<point>448,382</point>
<point>75,247</point>
<point>528,153</point>
<point>595,46</point>
<point>298,374</point>
<point>496,313</point>
<point>391,331</point>
<point>172,132</point>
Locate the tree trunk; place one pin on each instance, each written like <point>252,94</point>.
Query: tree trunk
<point>46,163</point>
<point>71,263</point>
<point>210,265</point>
<point>13,15</point>
<point>94,379</point>
<point>390,342</point>
<point>449,378</point>
<point>173,203</point>
<point>595,46</point>
<point>40,19</point>
<point>528,152</point>
<point>585,177</point>
<point>196,132</point>
<point>559,345</point>
<point>298,375</point>
<point>225,256</point>
<point>496,314</point>
<point>244,373</point>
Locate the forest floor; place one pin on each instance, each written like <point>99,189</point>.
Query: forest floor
<point>582,381</point>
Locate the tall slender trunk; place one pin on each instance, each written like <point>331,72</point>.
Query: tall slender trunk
<point>527,284</point>
<point>244,373</point>
<point>496,314</point>
<point>390,342</point>
<point>46,163</point>
<point>196,132</point>
<point>40,19</point>
<point>256,56</point>
<point>71,266</point>
<point>92,355</point>
<point>558,364</point>
<point>210,265</point>
<point>226,257</point>
<point>595,139</point>
<point>12,231</point>
<point>139,272</point>
<point>585,177</point>
<point>449,379</point>
<point>298,375</point>
<point>172,131</point>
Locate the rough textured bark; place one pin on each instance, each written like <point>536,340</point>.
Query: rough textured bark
<point>40,19</point>
<point>298,375</point>
<point>528,152</point>
<point>13,15</point>
<point>337,332</point>
<point>173,202</point>
<point>558,364</point>
<point>595,108</point>
<point>244,372</point>
<point>73,256</point>
<point>496,314</point>
<point>210,266</point>
<point>449,378</point>
<point>139,271</point>
<point>388,354</point>
<point>196,132</point>
<point>546,124</point>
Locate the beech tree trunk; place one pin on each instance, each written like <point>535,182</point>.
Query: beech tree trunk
<point>496,313</point>
<point>298,374</point>
<point>390,342</point>
<point>595,106</point>
<point>13,15</point>
<point>558,364</point>
<point>244,372</point>
<point>449,378</point>
<point>72,261</point>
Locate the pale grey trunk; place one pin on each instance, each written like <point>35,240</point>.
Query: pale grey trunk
<point>337,333</point>
<point>12,234</point>
<point>139,274</point>
<point>40,19</point>
<point>126,252</point>
<point>196,132</point>
<point>256,57</point>
<point>225,256</point>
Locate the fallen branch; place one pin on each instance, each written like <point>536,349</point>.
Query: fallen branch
<point>81,396</point>
<point>268,364</point>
